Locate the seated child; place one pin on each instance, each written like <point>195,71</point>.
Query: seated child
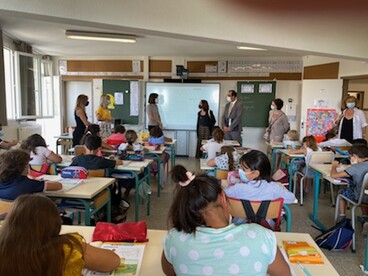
<point>14,166</point>
<point>157,137</point>
<point>254,181</point>
<point>44,251</point>
<point>291,139</point>
<point>94,129</point>
<point>331,140</point>
<point>117,137</point>
<point>40,154</point>
<point>199,218</point>
<point>6,144</point>
<point>227,160</point>
<point>214,146</point>
<point>357,170</point>
<point>90,160</point>
<point>131,145</point>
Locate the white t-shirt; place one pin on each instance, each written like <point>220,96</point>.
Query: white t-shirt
<point>212,148</point>
<point>41,155</point>
<point>136,147</point>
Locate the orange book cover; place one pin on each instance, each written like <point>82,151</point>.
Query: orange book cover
<point>302,252</point>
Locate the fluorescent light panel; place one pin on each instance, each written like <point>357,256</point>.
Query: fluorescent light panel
<point>113,37</point>
<point>250,48</point>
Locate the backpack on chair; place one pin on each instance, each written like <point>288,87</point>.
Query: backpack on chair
<point>260,216</point>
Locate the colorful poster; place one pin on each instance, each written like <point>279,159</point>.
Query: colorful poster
<point>320,121</point>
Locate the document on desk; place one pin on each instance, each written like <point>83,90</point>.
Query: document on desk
<point>68,184</point>
<point>131,256</point>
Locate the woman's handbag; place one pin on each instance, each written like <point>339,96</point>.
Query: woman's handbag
<point>266,135</point>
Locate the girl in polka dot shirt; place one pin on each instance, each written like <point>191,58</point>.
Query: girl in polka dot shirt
<point>202,240</point>
<point>227,160</point>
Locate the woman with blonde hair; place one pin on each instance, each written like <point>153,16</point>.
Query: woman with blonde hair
<point>104,117</point>
<point>81,119</point>
<point>42,250</point>
<point>352,122</point>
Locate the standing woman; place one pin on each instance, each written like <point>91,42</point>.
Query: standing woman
<point>153,115</point>
<point>205,122</point>
<point>278,123</point>
<point>104,117</point>
<point>352,122</point>
<point>80,118</point>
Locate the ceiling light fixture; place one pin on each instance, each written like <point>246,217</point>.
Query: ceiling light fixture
<point>250,48</point>
<point>113,37</point>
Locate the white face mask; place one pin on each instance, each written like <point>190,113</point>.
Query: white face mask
<point>228,98</point>
<point>272,107</point>
<point>156,100</point>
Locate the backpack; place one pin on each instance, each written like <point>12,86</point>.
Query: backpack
<point>260,216</point>
<point>43,170</point>
<point>337,238</point>
<point>282,176</point>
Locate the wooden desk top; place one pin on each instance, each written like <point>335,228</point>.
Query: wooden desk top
<point>151,264</point>
<point>226,143</point>
<point>204,166</point>
<point>325,170</point>
<point>87,190</point>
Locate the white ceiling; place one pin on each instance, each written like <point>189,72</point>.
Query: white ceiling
<point>49,38</point>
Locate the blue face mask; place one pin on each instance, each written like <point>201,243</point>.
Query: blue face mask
<point>243,176</point>
<point>350,105</point>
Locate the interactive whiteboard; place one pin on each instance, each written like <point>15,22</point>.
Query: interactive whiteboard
<point>178,102</point>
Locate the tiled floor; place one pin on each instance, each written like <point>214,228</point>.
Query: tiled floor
<point>346,263</point>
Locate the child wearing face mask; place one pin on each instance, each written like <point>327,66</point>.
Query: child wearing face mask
<point>253,181</point>
<point>357,170</point>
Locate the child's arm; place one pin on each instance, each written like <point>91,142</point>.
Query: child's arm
<point>335,173</point>
<point>53,157</point>
<point>8,144</point>
<point>118,161</point>
<point>167,268</point>
<point>167,139</point>
<point>211,162</point>
<point>279,265</point>
<point>53,186</point>
<point>107,146</point>
<point>299,151</point>
<point>98,259</point>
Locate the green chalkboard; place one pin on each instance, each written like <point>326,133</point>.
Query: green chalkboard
<point>120,111</point>
<point>256,98</point>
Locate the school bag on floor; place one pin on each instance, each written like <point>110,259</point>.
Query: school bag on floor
<point>337,238</point>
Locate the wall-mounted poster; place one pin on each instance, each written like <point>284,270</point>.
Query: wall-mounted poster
<point>320,121</point>
<point>265,88</point>
<point>247,88</point>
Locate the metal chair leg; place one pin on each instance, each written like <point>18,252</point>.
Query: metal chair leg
<point>353,248</point>
<point>337,208</point>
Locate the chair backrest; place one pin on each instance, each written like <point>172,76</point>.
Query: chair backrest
<point>79,150</point>
<point>221,174</point>
<point>320,157</point>
<point>98,173</point>
<point>362,190</point>
<point>52,169</point>
<point>236,208</point>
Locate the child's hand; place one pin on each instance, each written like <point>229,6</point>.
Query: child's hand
<point>335,164</point>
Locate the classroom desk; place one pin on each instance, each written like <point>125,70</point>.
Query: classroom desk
<point>86,193</point>
<point>135,168</point>
<point>152,152</point>
<point>171,145</point>
<point>290,167</point>
<point>204,167</point>
<point>151,264</point>
<point>320,170</point>
<point>234,143</point>
<point>63,140</point>
<point>132,167</point>
<point>272,148</point>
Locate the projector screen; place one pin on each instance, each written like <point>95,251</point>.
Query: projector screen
<point>178,102</point>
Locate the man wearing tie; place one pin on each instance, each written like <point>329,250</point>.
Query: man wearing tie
<point>231,121</point>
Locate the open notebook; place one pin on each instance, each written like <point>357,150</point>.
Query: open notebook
<point>68,184</point>
<point>131,255</point>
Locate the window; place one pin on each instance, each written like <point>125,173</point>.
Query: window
<point>34,86</point>
<point>9,83</point>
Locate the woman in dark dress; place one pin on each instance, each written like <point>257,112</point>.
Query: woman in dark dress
<point>205,122</point>
<point>80,118</point>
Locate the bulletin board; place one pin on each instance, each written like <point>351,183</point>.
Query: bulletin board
<point>256,98</point>
<point>124,99</point>
<point>320,121</point>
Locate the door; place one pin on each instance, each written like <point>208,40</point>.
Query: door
<point>72,90</point>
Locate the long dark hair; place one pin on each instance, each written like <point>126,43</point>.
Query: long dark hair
<point>152,97</point>
<point>257,160</point>
<point>33,141</point>
<point>185,212</point>
<point>205,105</point>
<point>36,251</point>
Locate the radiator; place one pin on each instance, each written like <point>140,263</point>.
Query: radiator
<point>27,130</point>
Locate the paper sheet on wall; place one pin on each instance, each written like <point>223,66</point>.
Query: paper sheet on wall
<point>134,95</point>
<point>119,98</point>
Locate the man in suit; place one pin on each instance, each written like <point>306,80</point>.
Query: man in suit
<point>231,121</point>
